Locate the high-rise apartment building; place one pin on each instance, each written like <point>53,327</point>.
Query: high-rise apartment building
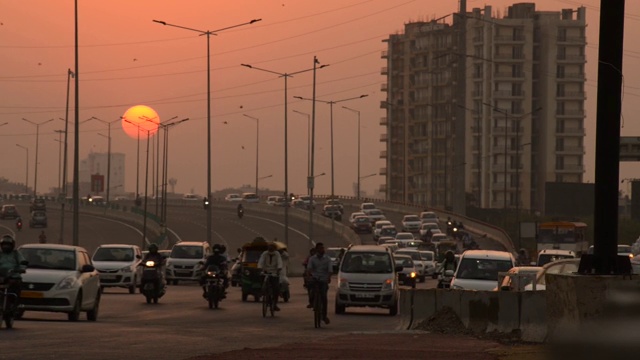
<point>97,164</point>
<point>485,109</point>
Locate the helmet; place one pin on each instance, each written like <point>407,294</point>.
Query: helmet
<point>449,255</point>
<point>217,248</point>
<point>7,243</point>
<point>153,248</point>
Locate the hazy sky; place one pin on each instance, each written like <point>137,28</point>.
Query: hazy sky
<point>126,59</point>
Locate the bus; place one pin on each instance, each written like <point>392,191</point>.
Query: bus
<point>563,235</point>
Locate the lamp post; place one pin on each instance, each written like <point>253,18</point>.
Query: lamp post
<point>108,136</point>
<point>331,103</point>
<point>257,145</point>
<point>165,165</point>
<point>35,176</point>
<point>60,142</point>
<point>286,76</point>
<point>262,178</point>
<point>208,33</point>
<point>308,140</point>
<point>157,156</point>
<point>359,178</point>
<point>26,181</point>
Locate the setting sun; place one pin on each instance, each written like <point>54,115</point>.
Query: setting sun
<point>140,117</point>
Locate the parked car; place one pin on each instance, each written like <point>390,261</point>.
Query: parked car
<point>59,278</point>
<point>429,216</point>
<point>9,211</point>
<point>367,278</point>
<point>233,197</point>
<point>332,212</point>
<point>549,255</point>
<point>564,266</point>
<point>411,223</point>
<point>409,273</point>
<point>417,260</point>
<point>38,219</point>
<point>37,204</point>
<point>250,197</point>
<point>118,265</point>
<point>361,224</point>
<point>183,263</point>
<point>377,226</point>
<point>478,269</point>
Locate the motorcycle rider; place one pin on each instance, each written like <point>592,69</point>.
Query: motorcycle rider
<point>218,260</point>
<point>154,255</point>
<point>449,262</point>
<point>19,223</point>
<point>240,210</point>
<point>271,263</point>
<point>11,260</point>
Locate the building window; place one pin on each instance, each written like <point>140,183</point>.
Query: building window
<point>559,162</point>
<point>560,72</point>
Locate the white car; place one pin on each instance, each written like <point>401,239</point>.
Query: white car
<point>429,261</point>
<point>59,278</point>
<point>435,229</point>
<point>437,238</point>
<point>549,255</point>
<point>429,216</point>
<point>190,197</point>
<point>404,236</point>
<point>233,197</point>
<point>367,206</point>
<point>250,197</point>
<point>478,269</point>
<point>183,263</point>
<point>272,200</point>
<point>417,261</point>
<point>378,226</point>
<point>118,265</point>
<point>354,215</point>
<point>375,215</point>
<point>411,223</point>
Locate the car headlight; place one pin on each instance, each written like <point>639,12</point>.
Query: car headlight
<point>413,274</point>
<point>67,283</point>
<point>343,284</point>
<point>388,284</point>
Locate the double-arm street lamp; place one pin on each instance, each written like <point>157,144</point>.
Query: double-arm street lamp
<point>108,136</point>
<point>308,140</point>
<point>166,126</point>
<point>208,34</point>
<point>257,145</point>
<point>359,178</point>
<point>157,156</point>
<point>35,176</point>
<point>286,76</point>
<point>26,181</point>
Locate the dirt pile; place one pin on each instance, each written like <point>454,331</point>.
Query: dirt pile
<point>445,321</point>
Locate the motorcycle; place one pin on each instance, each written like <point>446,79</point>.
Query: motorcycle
<point>215,286</point>
<point>19,225</point>
<point>444,280</point>
<point>152,285</point>
<point>8,300</point>
<point>240,213</point>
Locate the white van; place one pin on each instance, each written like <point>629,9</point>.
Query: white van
<point>184,261</point>
<point>368,277</point>
<point>478,269</point>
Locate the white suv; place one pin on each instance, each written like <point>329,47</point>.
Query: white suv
<point>368,277</point>
<point>118,265</point>
<point>183,263</point>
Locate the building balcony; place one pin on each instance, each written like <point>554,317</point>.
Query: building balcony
<point>571,131</point>
<point>508,75</point>
<point>570,113</point>
<point>384,54</point>
<point>570,77</point>
<point>572,95</point>
<point>571,58</point>
<point>509,57</point>
<point>384,137</point>
<point>383,154</point>
<point>570,169</point>
<point>574,40</point>
<point>508,38</point>
<point>508,94</point>
<point>510,130</point>
<point>571,150</point>
<point>384,71</point>
<point>383,171</point>
<point>384,87</point>
<point>384,121</point>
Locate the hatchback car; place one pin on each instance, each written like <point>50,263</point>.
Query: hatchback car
<point>435,229</point>
<point>361,224</point>
<point>59,278</point>
<point>411,223</point>
<point>332,212</point>
<point>38,219</point>
<point>233,197</point>
<point>9,211</point>
<point>250,197</point>
<point>184,261</point>
<point>478,269</point>
<point>375,215</point>
<point>377,226</point>
<point>417,261</point>
<point>409,273</point>
<point>429,216</point>
<point>388,231</point>
<point>38,204</point>
<point>118,265</point>
<point>549,255</point>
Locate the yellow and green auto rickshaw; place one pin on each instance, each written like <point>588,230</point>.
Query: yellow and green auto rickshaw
<point>250,275</point>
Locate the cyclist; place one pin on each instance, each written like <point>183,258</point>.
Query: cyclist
<point>320,268</point>
<point>271,263</point>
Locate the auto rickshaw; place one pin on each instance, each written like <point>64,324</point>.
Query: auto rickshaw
<point>443,247</point>
<point>250,275</point>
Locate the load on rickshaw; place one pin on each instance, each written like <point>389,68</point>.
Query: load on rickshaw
<point>251,278</point>
<point>443,247</point>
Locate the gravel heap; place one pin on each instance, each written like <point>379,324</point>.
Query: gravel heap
<point>445,321</point>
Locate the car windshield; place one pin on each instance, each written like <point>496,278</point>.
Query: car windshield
<point>428,216</point>
<point>624,249</point>
<point>49,258</point>
<point>547,258</point>
<point>368,206</point>
<point>187,252</point>
<point>411,218</point>
<point>362,219</point>
<point>366,262</point>
<point>375,212</point>
<point>427,256</point>
<point>414,254</point>
<point>482,269</point>
<point>405,262</point>
<point>113,254</point>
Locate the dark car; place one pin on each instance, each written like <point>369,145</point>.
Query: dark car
<point>9,212</point>
<point>361,224</point>
<point>388,230</point>
<point>335,202</point>
<point>38,218</point>
<point>37,204</point>
<point>332,211</point>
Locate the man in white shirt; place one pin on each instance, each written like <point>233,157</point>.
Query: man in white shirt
<point>271,263</point>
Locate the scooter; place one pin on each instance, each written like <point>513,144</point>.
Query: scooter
<point>152,286</point>
<point>214,284</point>
<point>444,280</point>
<point>240,213</point>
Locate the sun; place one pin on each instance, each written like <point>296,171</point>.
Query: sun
<point>140,117</point>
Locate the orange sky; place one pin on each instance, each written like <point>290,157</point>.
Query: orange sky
<point>126,59</point>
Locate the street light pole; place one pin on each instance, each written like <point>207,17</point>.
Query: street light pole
<point>156,170</point>
<point>286,139</point>
<point>165,164</point>
<point>35,176</point>
<point>26,181</point>
<point>60,142</point>
<point>357,112</point>
<point>208,33</point>
<point>257,145</point>
<point>308,140</point>
<point>109,151</point>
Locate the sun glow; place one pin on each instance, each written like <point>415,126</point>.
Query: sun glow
<point>140,118</point>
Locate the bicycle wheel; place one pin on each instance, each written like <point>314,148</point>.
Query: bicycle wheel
<point>265,303</point>
<point>272,301</point>
<point>317,308</point>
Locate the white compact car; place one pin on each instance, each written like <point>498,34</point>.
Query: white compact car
<point>478,269</point>
<point>118,265</point>
<point>59,278</point>
<point>233,197</point>
<point>183,263</point>
<point>411,223</point>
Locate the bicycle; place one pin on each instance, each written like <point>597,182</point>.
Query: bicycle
<point>317,304</point>
<point>268,296</point>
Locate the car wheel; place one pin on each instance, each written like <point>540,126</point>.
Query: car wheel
<point>132,287</point>
<point>244,296</point>
<point>423,278</point>
<point>74,315</point>
<point>393,310</point>
<point>339,308</point>
<point>175,282</point>
<point>92,315</point>
<point>18,314</point>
